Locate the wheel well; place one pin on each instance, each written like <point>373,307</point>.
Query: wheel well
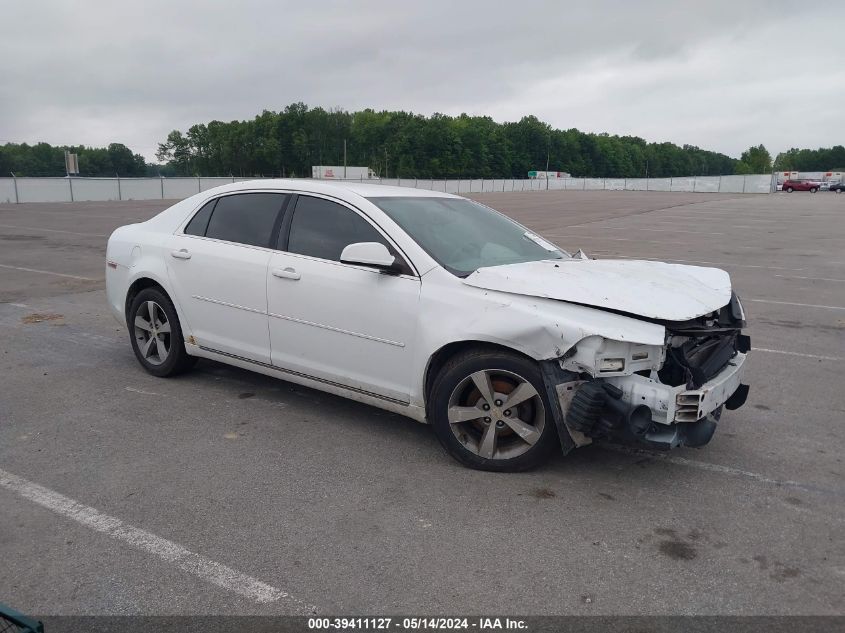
<point>447,352</point>
<point>137,286</point>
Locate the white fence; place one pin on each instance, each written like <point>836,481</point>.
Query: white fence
<point>92,189</point>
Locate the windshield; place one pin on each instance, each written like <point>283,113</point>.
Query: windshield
<point>463,236</point>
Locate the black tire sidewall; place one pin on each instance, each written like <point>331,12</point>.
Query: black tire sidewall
<point>457,370</point>
<point>178,359</point>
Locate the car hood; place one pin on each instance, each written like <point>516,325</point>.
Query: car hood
<point>655,290</point>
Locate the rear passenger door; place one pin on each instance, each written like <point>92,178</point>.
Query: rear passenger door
<point>218,266</point>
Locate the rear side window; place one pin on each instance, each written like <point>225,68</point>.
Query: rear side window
<point>199,223</point>
<point>247,218</point>
<point>321,228</point>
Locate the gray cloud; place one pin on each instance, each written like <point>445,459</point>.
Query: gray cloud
<point>721,75</point>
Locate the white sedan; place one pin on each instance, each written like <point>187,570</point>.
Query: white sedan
<point>435,307</point>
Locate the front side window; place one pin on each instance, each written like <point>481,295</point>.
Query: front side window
<point>246,218</point>
<point>322,228</point>
<point>463,236</point>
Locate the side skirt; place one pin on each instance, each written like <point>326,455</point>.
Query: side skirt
<point>359,395</point>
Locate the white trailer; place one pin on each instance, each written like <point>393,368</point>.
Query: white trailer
<point>339,172</point>
<point>821,176</point>
<point>547,175</point>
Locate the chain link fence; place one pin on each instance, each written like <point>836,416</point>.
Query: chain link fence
<point>105,189</point>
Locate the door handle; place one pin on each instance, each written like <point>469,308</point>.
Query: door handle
<point>286,273</point>
<point>181,254</point>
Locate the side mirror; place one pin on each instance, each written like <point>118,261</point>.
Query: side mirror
<point>370,254</point>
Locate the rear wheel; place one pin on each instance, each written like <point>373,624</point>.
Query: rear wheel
<point>813,189</point>
<point>490,411</point>
<point>156,334</point>
<point>789,190</point>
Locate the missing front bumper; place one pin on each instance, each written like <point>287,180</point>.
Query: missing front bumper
<point>681,405</point>
<point>636,410</point>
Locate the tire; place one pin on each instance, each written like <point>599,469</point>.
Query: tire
<point>789,190</point>
<point>521,438</point>
<point>837,190</point>
<point>813,190</point>
<point>160,350</point>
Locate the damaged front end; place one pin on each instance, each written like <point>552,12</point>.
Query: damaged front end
<point>657,396</point>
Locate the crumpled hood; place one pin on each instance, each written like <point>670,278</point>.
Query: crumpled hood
<point>655,290</point>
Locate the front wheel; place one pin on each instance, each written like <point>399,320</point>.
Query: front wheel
<point>156,334</point>
<point>838,190</point>
<point>789,190</point>
<point>490,411</point>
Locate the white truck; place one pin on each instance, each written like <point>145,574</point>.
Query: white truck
<point>339,172</point>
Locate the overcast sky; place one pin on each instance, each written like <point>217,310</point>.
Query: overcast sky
<point>720,75</point>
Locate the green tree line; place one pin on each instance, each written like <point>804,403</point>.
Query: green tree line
<point>43,159</point>
<point>408,145</point>
<point>822,159</point>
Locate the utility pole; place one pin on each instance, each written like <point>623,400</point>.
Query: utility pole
<point>385,162</point>
<point>548,153</point>
<point>344,159</point>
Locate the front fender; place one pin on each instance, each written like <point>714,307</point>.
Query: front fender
<point>542,329</point>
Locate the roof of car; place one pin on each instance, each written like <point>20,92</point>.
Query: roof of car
<point>170,219</point>
<point>364,189</point>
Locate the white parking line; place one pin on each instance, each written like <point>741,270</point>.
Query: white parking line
<point>780,351</point>
<point>611,239</point>
<point>717,468</point>
<point>810,278</point>
<point>35,228</point>
<point>631,228</point>
<point>699,261</point>
<point>791,303</point>
<point>48,272</point>
<point>141,391</point>
<point>67,213</point>
<point>168,551</point>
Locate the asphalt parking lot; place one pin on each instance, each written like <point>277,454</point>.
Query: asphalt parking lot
<point>302,499</point>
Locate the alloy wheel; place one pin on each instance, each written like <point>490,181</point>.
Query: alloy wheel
<point>152,332</point>
<point>496,414</point>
